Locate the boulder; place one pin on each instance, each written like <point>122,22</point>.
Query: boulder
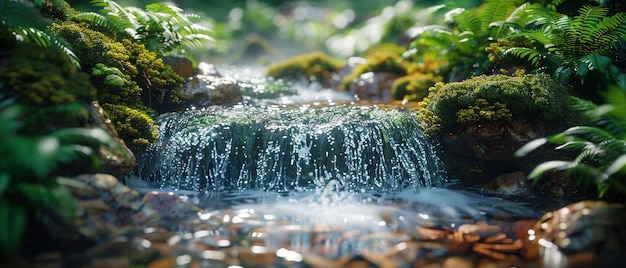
<point>593,229</point>
<point>103,207</point>
<point>374,86</point>
<point>492,141</point>
<point>181,65</point>
<point>514,183</point>
<point>205,90</point>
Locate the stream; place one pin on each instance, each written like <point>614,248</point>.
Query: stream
<point>314,179</point>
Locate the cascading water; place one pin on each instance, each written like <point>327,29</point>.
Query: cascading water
<point>289,184</point>
<point>283,149</point>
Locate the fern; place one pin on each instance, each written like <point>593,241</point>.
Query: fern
<point>462,44</point>
<point>601,147</point>
<point>162,28</point>
<point>27,23</point>
<point>574,47</point>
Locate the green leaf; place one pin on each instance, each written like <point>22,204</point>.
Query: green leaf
<point>530,146</point>
<point>616,166</point>
<point>12,225</point>
<point>547,166</point>
<point>5,181</point>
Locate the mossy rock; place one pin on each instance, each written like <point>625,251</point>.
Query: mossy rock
<point>150,81</point>
<point>135,127</point>
<point>44,77</point>
<point>413,87</point>
<point>493,98</point>
<point>315,67</point>
<point>380,61</point>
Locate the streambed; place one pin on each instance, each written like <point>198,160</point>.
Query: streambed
<point>295,182</point>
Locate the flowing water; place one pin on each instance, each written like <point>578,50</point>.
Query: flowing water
<point>287,182</point>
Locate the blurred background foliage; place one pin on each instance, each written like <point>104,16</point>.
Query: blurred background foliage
<point>339,27</point>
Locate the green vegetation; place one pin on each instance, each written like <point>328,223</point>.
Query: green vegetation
<point>44,77</point>
<point>600,146</point>
<point>465,33</point>
<point>315,66</point>
<point>28,178</point>
<point>127,74</point>
<point>161,28</point>
<point>413,87</point>
<point>578,46</point>
<point>490,98</point>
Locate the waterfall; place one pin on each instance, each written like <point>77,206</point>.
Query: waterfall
<point>283,149</point>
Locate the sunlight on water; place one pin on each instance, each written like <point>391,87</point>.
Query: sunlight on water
<point>282,149</point>
<point>330,226</point>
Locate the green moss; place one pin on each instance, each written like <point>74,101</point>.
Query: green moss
<point>44,77</point>
<point>131,81</point>
<point>154,75</point>
<point>489,98</point>
<point>380,61</point>
<point>315,66</point>
<point>135,127</point>
<point>56,9</point>
<point>413,87</point>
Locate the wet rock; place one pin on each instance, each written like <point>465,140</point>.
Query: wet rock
<point>207,69</point>
<point>105,206</point>
<point>117,161</point>
<point>584,226</point>
<point>558,185</point>
<point>514,183</point>
<point>492,141</point>
<point>337,77</point>
<point>374,86</point>
<point>172,207</point>
<point>181,65</point>
<point>205,90</point>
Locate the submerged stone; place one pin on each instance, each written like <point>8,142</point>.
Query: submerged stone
<point>282,149</point>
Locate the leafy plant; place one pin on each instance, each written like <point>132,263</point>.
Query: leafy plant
<point>601,146</point>
<point>578,46</point>
<point>27,24</point>
<point>462,40</point>
<point>28,178</point>
<point>162,28</point>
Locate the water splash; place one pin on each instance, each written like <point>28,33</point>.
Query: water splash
<point>284,149</point>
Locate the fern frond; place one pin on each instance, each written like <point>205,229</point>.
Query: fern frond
<point>563,74</point>
<point>587,20</point>
<point>496,10</point>
<point>593,134</point>
<point>466,21</point>
<point>119,15</point>
<point>534,56</point>
<point>608,34</point>
<point>98,20</point>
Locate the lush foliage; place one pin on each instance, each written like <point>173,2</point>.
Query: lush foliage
<point>315,67</point>
<point>26,21</point>
<point>28,178</point>
<point>600,146</point>
<point>161,28</point>
<point>495,97</point>
<point>127,74</point>
<point>40,76</point>
<point>465,33</point>
<point>578,46</point>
